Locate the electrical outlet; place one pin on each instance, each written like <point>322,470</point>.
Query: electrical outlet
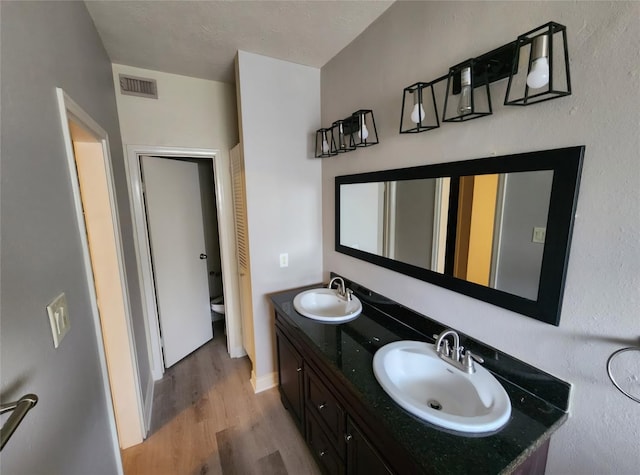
<point>58,318</point>
<point>284,260</point>
<point>539,235</point>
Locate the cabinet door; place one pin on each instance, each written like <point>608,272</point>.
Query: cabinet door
<point>290,378</point>
<point>362,457</point>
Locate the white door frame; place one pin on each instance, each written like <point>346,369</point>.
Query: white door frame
<point>224,206</point>
<point>70,109</point>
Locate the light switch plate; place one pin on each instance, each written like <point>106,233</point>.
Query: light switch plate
<point>284,260</point>
<point>539,234</point>
<point>58,318</point>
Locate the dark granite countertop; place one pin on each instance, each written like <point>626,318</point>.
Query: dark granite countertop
<point>538,400</point>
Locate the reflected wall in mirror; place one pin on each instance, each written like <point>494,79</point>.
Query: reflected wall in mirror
<point>497,229</point>
<point>401,220</point>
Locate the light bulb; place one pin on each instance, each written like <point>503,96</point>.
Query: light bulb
<point>341,138</point>
<point>325,144</point>
<point>363,133</point>
<point>539,75</point>
<point>464,105</point>
<point>418,113</point>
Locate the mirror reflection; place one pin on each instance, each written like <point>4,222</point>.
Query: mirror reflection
<point>488,229</point>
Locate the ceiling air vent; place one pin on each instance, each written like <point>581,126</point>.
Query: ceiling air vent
<point>141,87</point>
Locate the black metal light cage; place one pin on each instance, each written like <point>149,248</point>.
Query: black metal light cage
<point>342,141</point>
<point>321,136</point>
<point>363,120</point>
<point>409,93</point>
<point>478,84</point>
<point>558,85</point>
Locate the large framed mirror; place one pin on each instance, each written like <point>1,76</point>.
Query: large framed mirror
<point>497,229</point>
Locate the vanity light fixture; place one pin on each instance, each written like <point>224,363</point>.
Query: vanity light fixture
<point>540,66</point>
<point>342,141</point>
<point>363,128</point>
<point>324,143</point>
<point>472,100</point>
<point>345,135</point>
<point>536,63</point>
<point>419,111</point>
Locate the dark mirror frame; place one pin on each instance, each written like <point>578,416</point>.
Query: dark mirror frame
<point>566,164</point>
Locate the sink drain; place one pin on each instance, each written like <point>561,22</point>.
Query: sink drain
<point>433,404</point>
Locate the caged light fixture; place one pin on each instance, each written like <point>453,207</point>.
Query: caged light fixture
<point>540,66</point>
<point>345,135</point>
<point>473,95</point>
<point>343,141</point>
<point>324,143</point>
<point>419,111</point>
<point>363,128</point>
<point>536,64</point>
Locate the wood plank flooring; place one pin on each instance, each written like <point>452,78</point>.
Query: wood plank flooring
<point>207,420</point>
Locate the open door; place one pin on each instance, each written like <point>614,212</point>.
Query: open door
<point>242,239</point>
<point>176,235</point>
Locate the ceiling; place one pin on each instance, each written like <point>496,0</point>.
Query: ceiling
<point>200,39</point>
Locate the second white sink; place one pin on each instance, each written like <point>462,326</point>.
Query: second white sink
<point>418,380</point>
<point>326,305</point>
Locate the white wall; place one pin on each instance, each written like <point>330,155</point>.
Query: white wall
<point>280,111</point>
<point>361,220</point>
<point>418,41</point>
<point>189,112</point>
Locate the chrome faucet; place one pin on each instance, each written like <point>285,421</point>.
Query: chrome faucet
<point>342,291</point>
<point>455,355</point>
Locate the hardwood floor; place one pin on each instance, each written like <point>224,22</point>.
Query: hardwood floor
<point>207,420</point>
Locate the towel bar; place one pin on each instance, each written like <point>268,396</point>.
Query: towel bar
<point>610,372</point>
<point>20,409</point>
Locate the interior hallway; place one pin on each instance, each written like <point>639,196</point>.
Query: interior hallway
<point>207,420</point>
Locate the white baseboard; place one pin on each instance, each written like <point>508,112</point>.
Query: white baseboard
<point>265,382</point>
<point>148,406</point>
<point>237,352</point>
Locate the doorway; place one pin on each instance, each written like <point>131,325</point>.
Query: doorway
<point>224,208</point>
<point>185,252</point>
<point>91,176</point>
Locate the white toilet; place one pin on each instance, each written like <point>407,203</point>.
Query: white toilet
<point>217,305</point>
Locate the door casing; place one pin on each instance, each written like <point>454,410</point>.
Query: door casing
<point>70,110</point>
<point>224,206</point>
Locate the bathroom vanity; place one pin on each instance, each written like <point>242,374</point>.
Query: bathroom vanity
<point>352,426</point>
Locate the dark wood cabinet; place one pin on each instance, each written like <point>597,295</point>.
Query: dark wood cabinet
<point>362,457</point>
<point>336,441</point>
<point>326,454</point>
<point>343,434</point>
<point>290,378</point>
<point>321,404</point>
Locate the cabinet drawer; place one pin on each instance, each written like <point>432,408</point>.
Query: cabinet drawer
<point>323,450</point>
<point>320,402</point>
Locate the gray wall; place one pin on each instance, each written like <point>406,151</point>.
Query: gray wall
<point>526,198</point>
<point>415,200</point>
<point>45,45</point>
<point>419,41</point>
<point>210,224</point>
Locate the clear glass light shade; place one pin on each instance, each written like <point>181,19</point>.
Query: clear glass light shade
<point>343,140</point>
<point>464,99</point>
